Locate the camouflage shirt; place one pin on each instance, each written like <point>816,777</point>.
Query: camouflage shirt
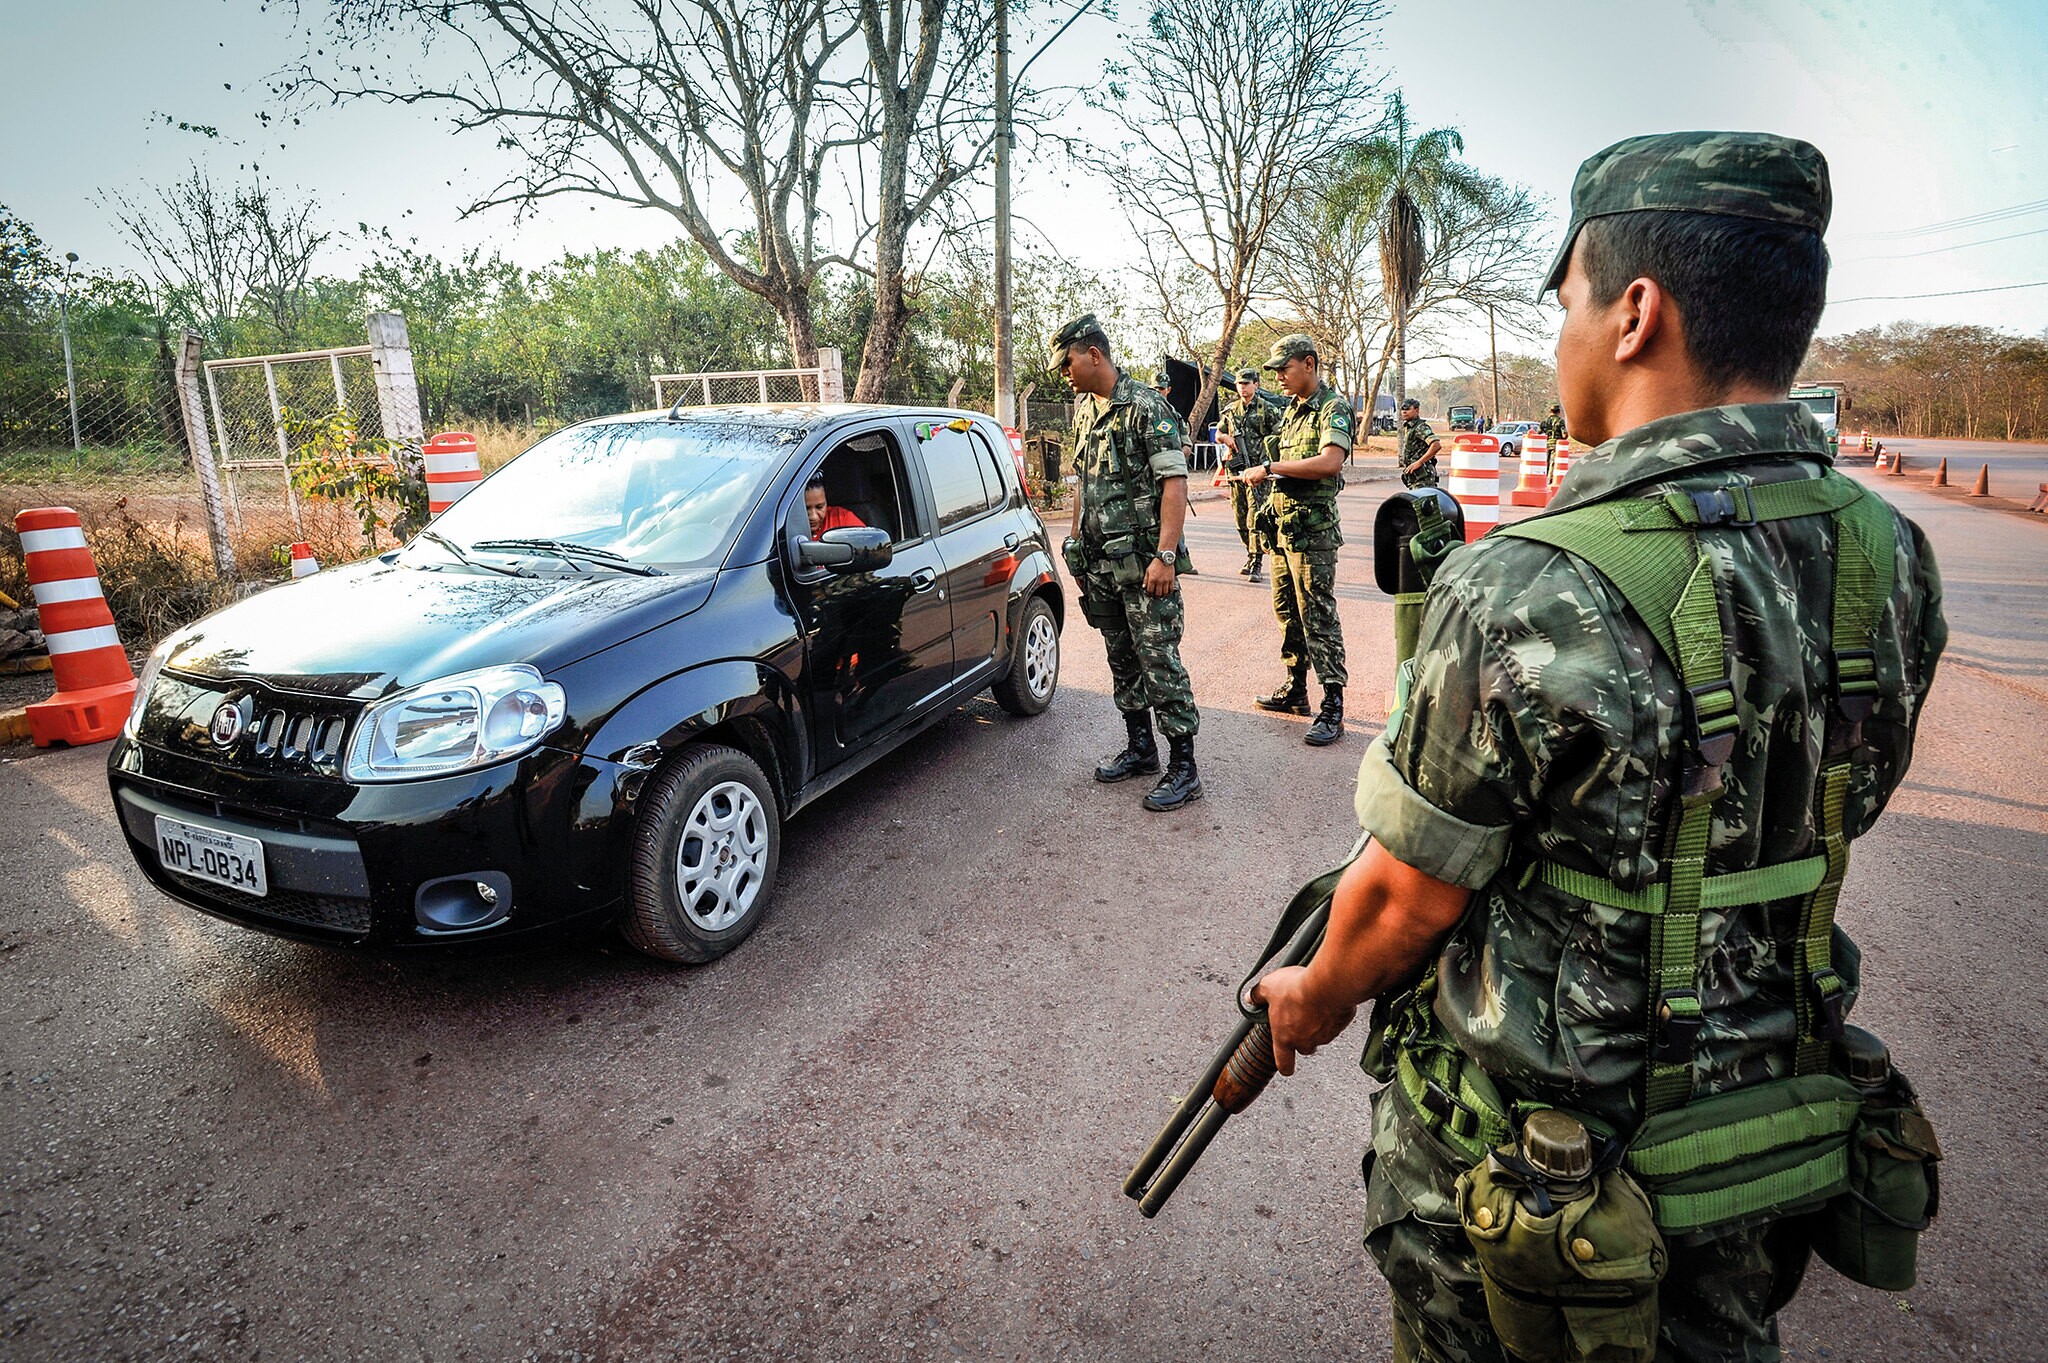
<point>1552,428</point>
<point>1416,437</point>
<point>1125,447</point>
<point>1542,722</point>
<point>1306,508</point>
<point>1253,425</point>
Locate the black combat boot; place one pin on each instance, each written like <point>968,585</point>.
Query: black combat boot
<point>1181,784</point>
<point>1290,699</point>
<point>1329,725</point>
<point>1251,569</point>
<point>1140,756</point>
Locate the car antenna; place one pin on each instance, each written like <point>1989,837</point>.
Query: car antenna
<point>675,413</point>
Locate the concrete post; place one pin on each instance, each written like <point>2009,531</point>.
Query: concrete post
<point>398,390</point>
<point>192,406</point>
<point>831,374</point>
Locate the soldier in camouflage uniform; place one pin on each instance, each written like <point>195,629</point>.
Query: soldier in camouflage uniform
<point>1249,425</point>
<point>1312,444</point>
<point>1531,776</point>
<point>1419,447</point>
<point>1553,429</point>
<point>1123,552</point>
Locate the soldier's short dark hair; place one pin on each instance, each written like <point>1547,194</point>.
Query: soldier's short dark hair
<point>1749,292</point>
<point>1097,338</point>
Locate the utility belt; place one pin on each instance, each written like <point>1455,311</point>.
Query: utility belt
<point>1571,1251</point>
<point>1124,557</point>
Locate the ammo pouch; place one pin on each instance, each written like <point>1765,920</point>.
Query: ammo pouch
<point>1075,555</point>
<point>1566,1282</point>
<point>1126,565</point>
<point>1870,1234</point>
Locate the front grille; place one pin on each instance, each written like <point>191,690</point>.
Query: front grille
<point>280,731</point>
<point>335,913</point>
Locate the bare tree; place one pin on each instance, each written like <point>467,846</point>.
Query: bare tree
<point>845,126</point>
<point>282,245</point>
<point>193,240</point>
<point>1232,107</point>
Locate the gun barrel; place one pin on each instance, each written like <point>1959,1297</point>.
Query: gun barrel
<point>1183,1160</point>
<point>1169,1135</point>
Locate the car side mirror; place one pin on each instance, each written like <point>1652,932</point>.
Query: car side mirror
<point>864,549</point>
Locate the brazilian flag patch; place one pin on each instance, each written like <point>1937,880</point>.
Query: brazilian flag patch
<point>1165,428</point>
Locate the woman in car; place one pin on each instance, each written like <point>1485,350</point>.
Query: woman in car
<point>822,516</point>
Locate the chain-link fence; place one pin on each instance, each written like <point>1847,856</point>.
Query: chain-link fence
<point>824,382</point>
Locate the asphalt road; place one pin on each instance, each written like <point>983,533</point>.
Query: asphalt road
<point>893,1124</point>
<point>2016,468</point>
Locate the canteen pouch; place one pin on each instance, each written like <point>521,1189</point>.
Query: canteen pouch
<point>1871,1233</point>
<point>1076,557</point>
<point>1126,565</point>
<point>1578,1285</point>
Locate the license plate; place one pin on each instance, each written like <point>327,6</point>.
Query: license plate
<point>210,854</point>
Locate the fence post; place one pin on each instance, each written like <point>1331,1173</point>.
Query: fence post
<point>192,406</point>
<point>831,374</point>
<point>398,391</point>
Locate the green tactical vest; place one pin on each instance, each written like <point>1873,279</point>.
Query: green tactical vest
<point>1771,1148</point>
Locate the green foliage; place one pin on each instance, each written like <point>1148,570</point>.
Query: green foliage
<point>332,460</point>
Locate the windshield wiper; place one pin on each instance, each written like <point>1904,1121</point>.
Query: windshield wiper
<point>571,551</point>
<point>452,547</point>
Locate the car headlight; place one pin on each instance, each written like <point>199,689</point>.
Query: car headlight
<point>469,720</point>
<point>143,682</point>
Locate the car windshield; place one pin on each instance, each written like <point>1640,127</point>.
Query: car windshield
<point>665,494</point>
<point>1820,404</point>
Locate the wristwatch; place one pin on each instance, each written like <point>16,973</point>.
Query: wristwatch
<point>1166,556</point>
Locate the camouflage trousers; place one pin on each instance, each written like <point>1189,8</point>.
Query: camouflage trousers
<point>1305,602</point>
<point>1718,1303</point>
<point>1142,635</point>
<point>1245,502</point>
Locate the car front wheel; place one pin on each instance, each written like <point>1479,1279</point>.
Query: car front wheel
<point>1034,663</point>
<point>705,850</point>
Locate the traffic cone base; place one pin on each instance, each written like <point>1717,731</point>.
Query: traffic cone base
<point>76,718</point>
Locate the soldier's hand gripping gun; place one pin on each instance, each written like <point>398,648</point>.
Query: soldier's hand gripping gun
<point>1413,532</point>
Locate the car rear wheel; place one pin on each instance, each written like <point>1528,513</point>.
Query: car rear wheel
<point>704,856</point>
<point>1034,663</point>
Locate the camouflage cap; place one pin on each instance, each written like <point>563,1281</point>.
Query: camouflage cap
<point>1738,175</point>
<point>1079,329</point>
<point>1290,347</point>
<point>1247,375</point>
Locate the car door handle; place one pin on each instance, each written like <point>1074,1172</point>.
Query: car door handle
<point>1010,541</point>
<point>923,579</point>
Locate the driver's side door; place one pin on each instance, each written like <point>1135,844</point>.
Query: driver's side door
<point>878,645</point>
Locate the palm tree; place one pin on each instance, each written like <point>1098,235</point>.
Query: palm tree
<point>1409,186</point>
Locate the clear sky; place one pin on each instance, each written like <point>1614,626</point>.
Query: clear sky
<point>1928,115</point>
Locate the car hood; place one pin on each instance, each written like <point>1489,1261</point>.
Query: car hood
<point>375,627</point>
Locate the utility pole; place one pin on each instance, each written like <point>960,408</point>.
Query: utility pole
<point>1006,373</point>
<point>64,326</point>
<point>1494,349</point>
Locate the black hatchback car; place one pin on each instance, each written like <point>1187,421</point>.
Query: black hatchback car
<point>595,687</point>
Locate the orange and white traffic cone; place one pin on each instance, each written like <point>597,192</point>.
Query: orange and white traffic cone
<point>1982,487</point>
<point>1561,464</point>
<point>453,467</point>
<point>95,684</point>
<point>1941,475</point>
<point>1475,481</point>
<point>303,562</point>
<point>1532,487</point>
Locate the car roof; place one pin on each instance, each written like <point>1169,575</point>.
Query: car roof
<point>784,415</point>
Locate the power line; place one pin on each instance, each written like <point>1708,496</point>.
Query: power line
<point>1954,224</point>
<point>1937,250</point>
<point>1952,293</point>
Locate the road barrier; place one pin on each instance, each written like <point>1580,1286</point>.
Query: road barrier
<point>1982,487</point>
<point>453,468</point>
<point>95,684</point>
<point>1561,464</point>
<point>2040,502</point>
<point>1475,481</point>
<point>1532,488</point>
<point>303,562</point>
